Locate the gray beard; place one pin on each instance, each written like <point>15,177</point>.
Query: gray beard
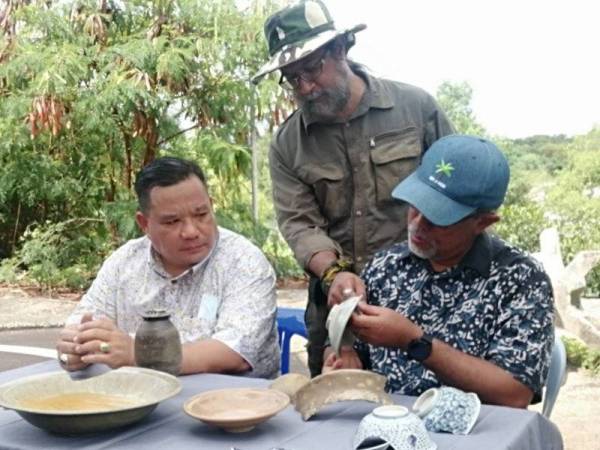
<point>327,104</point>
<point>421,253</point>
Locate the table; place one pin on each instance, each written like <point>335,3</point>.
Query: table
<point>169,428</point>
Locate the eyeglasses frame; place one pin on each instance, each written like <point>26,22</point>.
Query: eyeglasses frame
<point>307,74</point>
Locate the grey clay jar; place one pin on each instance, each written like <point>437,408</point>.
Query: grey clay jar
<point>157,343</point>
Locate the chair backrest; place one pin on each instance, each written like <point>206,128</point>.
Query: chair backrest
<point>290,321</point>
<point>556,375</point>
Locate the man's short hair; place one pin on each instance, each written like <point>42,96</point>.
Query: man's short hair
<point>164,172</point>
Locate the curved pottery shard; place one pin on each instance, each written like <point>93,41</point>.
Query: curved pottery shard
<point>340,385</point>
<point>289,384</point>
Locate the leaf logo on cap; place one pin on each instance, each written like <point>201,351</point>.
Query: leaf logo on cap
<point>445,168</point>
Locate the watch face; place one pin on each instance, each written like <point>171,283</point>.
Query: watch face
<point>420,349</point>
<point>420,352</point>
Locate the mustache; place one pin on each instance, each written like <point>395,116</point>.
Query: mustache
<point>310,96</point>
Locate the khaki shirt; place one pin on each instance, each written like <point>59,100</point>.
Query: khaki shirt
<point>332,181</point>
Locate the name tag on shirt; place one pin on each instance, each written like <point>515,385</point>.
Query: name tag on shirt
<point>209,306</point>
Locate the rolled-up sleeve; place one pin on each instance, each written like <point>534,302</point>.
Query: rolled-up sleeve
<point>300,220</point>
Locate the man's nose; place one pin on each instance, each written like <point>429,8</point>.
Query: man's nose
<point>421,221</point>
<point>189,229</point>
<point>305,87</point>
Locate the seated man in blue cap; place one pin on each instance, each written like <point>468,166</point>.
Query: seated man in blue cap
<point>455,305</point>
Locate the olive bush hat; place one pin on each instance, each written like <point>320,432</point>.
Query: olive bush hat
<point>296,31</point>
<point>458,176</point>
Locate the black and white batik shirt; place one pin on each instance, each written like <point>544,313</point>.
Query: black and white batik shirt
<point>497,304</point>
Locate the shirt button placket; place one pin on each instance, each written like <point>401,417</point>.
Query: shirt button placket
<point>354,143</point>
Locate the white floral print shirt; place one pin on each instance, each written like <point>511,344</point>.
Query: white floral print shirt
<point>230,297</point>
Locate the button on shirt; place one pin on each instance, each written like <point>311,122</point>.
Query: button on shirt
<point>230,297</point>
<point>332,182</point>
<point>497,304</point>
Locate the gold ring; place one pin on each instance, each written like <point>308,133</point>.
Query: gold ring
<point>104,347</point>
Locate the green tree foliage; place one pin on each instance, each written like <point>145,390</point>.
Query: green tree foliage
<point>573,202</point>
<point>555,182</point>
<point>90,91</point>
<point>455,99</point>
<point>521,225</point>
<point>538,153</point>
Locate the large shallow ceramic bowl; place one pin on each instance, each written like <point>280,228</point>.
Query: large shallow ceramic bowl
<point>236,410</point>
<point>54,402</point>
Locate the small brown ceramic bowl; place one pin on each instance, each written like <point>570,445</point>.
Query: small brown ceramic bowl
<point>236,410</point>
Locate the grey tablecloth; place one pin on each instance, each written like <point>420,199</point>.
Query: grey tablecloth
<point>169,428</point>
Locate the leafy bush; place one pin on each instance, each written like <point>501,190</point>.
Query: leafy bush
<point>521,225</point>
<point>64,254</point>
<point>576,350</point>
<point>580,355</point>
<point>592,362</point>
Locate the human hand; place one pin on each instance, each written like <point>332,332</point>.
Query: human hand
<point>382,326</point>
<point>68,357</point>
<point>344,285</point>
<point>99,341</point>
<point>348,359</point>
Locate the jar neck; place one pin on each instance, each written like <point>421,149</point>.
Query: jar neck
<point>156,318</point>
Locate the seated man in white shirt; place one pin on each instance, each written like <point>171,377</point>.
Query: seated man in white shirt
<point>218,288</point>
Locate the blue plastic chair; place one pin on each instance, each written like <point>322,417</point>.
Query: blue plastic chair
<point>290,321</point>
<point>556,375</point>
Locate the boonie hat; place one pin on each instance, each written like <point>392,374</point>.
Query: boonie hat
<point>296,31</point>
<point>458,176</point>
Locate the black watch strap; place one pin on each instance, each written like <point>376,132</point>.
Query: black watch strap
<point>420,349</point>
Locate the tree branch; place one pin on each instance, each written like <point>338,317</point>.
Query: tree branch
<point>177,134</point>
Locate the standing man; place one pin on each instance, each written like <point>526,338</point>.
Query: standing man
<point>336,159</point>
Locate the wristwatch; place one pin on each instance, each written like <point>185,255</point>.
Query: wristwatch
<point>420,349</point>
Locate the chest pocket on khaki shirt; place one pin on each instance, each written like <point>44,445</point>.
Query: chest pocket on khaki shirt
<point>327,181</point>
<point>395,155</point>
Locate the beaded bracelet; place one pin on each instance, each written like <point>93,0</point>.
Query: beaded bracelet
<point>339,265</point>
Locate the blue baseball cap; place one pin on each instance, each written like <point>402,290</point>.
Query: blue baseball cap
<point>457,176</point>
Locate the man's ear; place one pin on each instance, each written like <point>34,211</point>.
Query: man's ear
<point>485,220</point>
<point>141,220</point>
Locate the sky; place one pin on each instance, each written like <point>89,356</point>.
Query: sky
<point>534,65</point>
